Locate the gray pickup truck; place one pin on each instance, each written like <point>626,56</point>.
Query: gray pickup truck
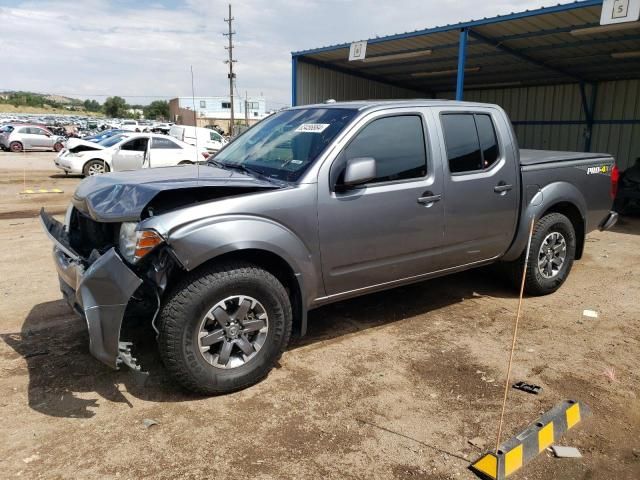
<point>314,205</point>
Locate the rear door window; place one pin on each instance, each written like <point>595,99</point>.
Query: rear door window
<point>488,140</point>
<point>471,141</point>
<point>163,143</point>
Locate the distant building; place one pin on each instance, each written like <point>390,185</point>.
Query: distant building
<point>216,111</point>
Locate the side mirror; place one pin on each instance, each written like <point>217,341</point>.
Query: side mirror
<point>359,171</point>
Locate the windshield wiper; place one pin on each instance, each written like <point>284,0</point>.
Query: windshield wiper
<point>243,168</point>
<point>216,163</point>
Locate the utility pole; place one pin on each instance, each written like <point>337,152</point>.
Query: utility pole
<point>246,108</point>
<point>232,75</point>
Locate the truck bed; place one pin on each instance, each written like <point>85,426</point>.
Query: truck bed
<point>537,157</point>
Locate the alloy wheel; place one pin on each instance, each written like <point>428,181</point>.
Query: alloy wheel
<point>96,169</point>
<point>552,255</point>
<point>233,331</point>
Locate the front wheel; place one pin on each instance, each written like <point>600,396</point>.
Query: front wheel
<point>224,327</point>
<point>553,249</point>
<point>95,167</point>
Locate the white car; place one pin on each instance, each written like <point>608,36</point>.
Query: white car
<point>203,137</point>
<point>134,126</point>
<point>128,151</point>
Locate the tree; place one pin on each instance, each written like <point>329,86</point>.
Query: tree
<point>91,106</point>
<point>157,109</point>
<point>115,107</point>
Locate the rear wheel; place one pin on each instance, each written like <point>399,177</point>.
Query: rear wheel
<point>224,327</point>
<point>57,146</point>
<point>95,167</point>
<point>553,249</point>
<point>15,147</point>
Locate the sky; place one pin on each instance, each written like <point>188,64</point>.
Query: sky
<point>144,49</point>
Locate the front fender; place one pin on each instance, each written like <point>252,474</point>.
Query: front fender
<point>540,202</point>
<point>200,241</point>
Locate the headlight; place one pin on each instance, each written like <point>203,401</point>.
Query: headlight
<point>134,244</point>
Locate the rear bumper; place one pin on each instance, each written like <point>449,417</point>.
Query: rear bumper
<point>609,221</point>
<point>99,292</point>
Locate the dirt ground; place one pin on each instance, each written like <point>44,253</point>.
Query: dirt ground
<point>389,386</point>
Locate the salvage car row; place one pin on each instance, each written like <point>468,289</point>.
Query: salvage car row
<point>127,151</point>
<point>116,149</point>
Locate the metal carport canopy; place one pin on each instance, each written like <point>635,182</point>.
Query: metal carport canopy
<point>553,45</point>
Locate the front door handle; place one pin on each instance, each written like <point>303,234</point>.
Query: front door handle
<point>502,188</point>
<point>429,199</point>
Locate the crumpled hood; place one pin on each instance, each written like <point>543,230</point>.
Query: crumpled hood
<point>122,196</point>
<point>73,144</point>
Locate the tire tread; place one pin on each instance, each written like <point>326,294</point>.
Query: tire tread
<point>170,322</point>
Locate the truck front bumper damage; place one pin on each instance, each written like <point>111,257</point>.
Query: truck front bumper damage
<point>99,292</point>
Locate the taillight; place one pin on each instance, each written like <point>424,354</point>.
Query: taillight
<point>615,178</point>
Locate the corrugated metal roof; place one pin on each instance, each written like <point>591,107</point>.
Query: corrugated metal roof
<point>527,48</point>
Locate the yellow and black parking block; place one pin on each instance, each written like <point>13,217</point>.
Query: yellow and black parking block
<point>522,448</point>
<point>41,190</point>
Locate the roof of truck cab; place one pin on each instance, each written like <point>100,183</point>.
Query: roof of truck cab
<point>371,104</point>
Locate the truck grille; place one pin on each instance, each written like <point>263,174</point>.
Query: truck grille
<point>86,235</point>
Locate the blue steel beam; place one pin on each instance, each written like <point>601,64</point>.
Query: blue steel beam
<point>589,109</point>
<point>471,24</point>
<point>462,61</point>
<point>294,80</point>
<point>357,73</point>
<point>520,55</point>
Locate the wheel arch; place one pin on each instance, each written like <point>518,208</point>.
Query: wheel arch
<point>278,267</point>
<point>572,212</point>
<point>107,166</point>
<point>259,240</point>
<point>560,197</point>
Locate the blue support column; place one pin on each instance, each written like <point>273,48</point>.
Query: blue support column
<point>294,80</point>
<point>589,110</point>
<point>462,60</point>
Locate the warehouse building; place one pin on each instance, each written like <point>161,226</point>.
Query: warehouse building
<point>205,111</point>
<point>568,75</point>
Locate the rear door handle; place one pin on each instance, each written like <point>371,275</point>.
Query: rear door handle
<point>429,199</point>
<point>502,188</point>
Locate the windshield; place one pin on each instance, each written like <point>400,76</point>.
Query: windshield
<point>111,141</point>
<point>285,145</point>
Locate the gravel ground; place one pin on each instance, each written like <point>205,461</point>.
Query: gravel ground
<point>391,385</point>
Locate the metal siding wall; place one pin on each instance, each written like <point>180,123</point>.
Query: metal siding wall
<point>616,100</point>
<point>554,102</point>
<point>316,85</point>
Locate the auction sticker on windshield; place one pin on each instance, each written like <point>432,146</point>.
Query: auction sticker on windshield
<point>312,127</point>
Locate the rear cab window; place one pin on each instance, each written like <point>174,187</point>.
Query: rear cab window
<point>471,141</point>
